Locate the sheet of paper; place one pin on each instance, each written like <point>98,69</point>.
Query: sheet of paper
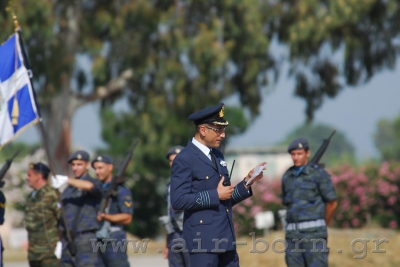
<point>257,171</point>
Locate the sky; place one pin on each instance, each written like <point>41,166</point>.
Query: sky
<point>355,112</point>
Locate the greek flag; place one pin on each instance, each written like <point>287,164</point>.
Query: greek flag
<point>18,109</point>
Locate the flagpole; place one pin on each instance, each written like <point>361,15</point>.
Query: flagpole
<point>43,132</point>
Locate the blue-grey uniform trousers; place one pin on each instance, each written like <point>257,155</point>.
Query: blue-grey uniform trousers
<point>306,254</point>
<point>85,256</point>
<point>115,254</point>
<point>177,259</point>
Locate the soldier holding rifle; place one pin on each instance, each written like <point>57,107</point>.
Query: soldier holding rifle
<point>117,213</point>
<point>310,198</point>
<point>81,200</point>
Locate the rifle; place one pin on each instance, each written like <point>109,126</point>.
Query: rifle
<point>5,168</point>
<point>321,151</point>
<point>117,179</point>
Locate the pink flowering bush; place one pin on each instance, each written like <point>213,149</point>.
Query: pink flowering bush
<point>355,197</point>
<point>370,193</point>
<point>365,194</point>
<point>266,197</point>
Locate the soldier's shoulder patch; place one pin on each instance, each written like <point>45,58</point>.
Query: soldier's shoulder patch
<point>128,203</point>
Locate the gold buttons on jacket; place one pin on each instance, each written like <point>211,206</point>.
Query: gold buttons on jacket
<point>207,177</point>
<point>227,210</point>
<point>201,221</point>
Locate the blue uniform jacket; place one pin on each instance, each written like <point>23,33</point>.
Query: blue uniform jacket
<point>122,203</point>
<point>207,220</point>
<point>73,197</point>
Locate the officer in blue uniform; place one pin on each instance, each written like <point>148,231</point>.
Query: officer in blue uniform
<point>117,214</point>
<point>310,199</point>
<point>199,173</point>
<point>81,199</point>
<point>173,222</point>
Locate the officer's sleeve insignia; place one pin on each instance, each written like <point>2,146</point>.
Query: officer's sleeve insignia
<point>128,204</point>
<point>2,205</point>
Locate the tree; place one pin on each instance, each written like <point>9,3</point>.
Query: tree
<point>159,49</point>
<point>387,138</point>
<point>85,51</point>
<point>340,148</point>
<point>333,43</point>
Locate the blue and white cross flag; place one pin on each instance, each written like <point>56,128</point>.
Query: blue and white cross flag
<point>18,109</point>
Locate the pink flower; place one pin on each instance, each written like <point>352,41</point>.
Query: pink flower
<point>391,200</point>
<point>355,222</point>
<point>255,209</point>
<point>393,224</point>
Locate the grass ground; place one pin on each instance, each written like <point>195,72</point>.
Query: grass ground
<point>342,250</point>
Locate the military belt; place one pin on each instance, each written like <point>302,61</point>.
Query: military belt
<point>305,225</point>
<point>115,229</point>
<point>84,232</point>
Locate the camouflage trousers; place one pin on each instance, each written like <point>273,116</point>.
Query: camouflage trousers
<point>306,254</point>
<point>47,262</point>
<point>85,256</point>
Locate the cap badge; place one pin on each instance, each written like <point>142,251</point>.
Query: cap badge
<point>221,112</point>
<point>31,166</point>
<point>99,158</point>
<point>300,145</point>
<point>79,156</point>
<point>177,150</point>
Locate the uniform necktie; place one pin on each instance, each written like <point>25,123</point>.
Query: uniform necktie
<point>213,159</point>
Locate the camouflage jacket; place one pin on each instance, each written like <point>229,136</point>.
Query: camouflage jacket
<point>305,194</point>
<point>41,221</point>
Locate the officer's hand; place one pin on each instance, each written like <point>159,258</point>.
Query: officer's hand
<point>258,177</point>
<point>58,180</point>
<point>224,192</point>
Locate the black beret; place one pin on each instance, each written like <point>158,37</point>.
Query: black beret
<point>212,115</point>
<point>40,167</point>
<point>298,143</point>
<point>79,155</point>
<point>173,150</point>
<point>103,158</point>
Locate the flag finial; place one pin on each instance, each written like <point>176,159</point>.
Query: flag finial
<point>15,19</point>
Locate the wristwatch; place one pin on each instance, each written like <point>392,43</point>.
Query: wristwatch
<point>244,181</point>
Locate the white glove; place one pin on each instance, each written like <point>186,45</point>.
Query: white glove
<point>58,180</point>
<point>58,250</point>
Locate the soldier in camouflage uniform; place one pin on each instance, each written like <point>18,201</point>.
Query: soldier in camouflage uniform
<point>118,213</point>
<point>81,199</point>
<point>310,198</point>
<point>41,218</point>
